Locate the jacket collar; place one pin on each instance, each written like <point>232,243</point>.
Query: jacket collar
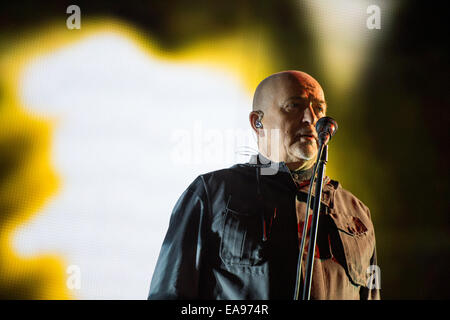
<point>280,172</point>
<point>260,161</point>
<point>272,170</point>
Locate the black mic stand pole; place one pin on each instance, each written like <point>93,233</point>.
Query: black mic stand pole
<point>323,151</point>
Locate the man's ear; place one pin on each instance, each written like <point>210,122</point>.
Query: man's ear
<point>256,124</point>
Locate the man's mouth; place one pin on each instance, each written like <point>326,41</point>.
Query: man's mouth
<point>307,136</point>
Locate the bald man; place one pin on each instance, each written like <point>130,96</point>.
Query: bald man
<point>235,233</point>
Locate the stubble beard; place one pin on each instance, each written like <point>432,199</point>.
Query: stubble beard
<point>303,150</point>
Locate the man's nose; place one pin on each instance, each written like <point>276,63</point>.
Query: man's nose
<point>309,115</point>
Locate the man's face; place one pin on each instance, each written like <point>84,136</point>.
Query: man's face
<point>296,103</point>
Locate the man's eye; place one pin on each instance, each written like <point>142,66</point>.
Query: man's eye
<point>293,105</point>
<point>319,109</point>
<point>289,106</point>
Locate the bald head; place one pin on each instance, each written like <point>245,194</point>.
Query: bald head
<point>291,103</point>
<point>278,83</point>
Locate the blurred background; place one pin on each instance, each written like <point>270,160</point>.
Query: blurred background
<point>102,127</point>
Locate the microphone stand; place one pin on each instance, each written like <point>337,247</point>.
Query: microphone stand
<point>315,222</point>
<point>322,159</point>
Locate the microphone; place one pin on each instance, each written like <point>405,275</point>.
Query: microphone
<point>326,127</point>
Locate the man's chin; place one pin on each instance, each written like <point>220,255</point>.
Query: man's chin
<point>304,153</point>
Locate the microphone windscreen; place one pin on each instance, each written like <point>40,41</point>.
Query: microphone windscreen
<point>326,124</point>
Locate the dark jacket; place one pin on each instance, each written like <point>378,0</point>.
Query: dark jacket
<point>234,234</point>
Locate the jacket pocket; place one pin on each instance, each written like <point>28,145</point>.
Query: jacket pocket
<point>358,241</point>
<point>241,241</point>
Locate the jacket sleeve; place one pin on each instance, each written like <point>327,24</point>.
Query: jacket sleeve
<point>177,271</point>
